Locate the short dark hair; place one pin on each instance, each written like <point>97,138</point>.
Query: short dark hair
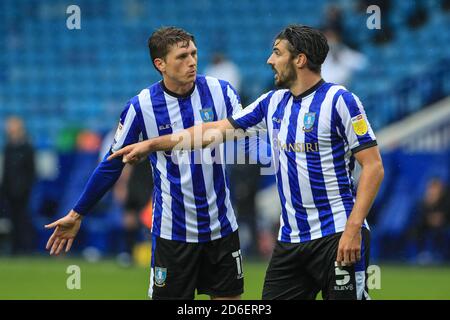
<point>309,41</point>
<point>161,40</point>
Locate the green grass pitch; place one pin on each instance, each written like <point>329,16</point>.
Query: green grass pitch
<point>46,277</point>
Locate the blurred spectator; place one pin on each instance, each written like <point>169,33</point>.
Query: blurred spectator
<point>418,15</point>
<point>133,191</point>
<point>333,19</point>
<point>268,208</point>
<point>224,69</point>
<point>430,233</point>
<point>18,178</point>
<point>445,4</point>
<point>138,194</point>
<point>244,183</point>
<point>341,61</point>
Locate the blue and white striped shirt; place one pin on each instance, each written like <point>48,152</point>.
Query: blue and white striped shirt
<point>191,199</point>
<point>313,139</point>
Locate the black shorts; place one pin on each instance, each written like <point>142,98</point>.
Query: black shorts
<point>213,268</point>
<point>301,270</point>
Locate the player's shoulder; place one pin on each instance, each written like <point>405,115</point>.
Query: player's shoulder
<point>340,94</point>
<point>278,92</point>
<point>274,95</point>
<point>212,82</point>
<point>142,97</point>
<point>341,91</point>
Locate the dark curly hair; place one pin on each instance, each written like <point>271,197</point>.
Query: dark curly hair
<point>309,41</point>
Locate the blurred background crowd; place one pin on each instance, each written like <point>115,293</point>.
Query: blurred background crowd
<point>62,91</point>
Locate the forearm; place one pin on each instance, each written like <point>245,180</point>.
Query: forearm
<point>196,137</point>
<point>101,180</point>
<point>370,180</point>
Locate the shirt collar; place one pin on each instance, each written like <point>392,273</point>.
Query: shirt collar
<point>176,95</point>
<point>310,90</point>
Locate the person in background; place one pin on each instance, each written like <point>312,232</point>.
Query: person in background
<point>433,221</point>
<point>341,61</point>
<point>18,179</point>
<point>138,195</point>
<point>225,69</point>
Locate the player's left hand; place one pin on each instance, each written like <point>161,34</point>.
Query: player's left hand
<point>349,250</point>
<point>65,232</point>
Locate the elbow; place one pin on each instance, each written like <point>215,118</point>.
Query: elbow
<point>380,170</point>
<point>375,171</point>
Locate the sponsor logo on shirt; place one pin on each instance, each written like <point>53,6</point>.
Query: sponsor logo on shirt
<point>296,147</point>
<point>167,126</point>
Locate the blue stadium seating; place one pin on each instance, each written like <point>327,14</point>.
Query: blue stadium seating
<point>57,78</point>
<point>45,63</point>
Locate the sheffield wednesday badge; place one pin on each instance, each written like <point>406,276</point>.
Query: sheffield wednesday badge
<point>160,276</point>
<point>308,121</point>
<point>207,114</point>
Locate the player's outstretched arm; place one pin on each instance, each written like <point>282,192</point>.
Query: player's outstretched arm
<point>65,232</point>
<point>196,137</point>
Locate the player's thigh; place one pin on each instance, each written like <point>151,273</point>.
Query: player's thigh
<point>221,269</point>
<point>286,279</point>
<point>175,267</point>
<point>349,282</point>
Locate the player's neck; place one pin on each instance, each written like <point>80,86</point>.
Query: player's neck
<point>177,89</point>
<point>304,83</point>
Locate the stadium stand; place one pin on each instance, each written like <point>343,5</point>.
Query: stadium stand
<point>60,80</point>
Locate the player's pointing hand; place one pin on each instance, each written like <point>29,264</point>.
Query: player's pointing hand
<point>66,229</point>
<point>132,154</point>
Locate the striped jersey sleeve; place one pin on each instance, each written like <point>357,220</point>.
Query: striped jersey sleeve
<point>232,99</point>
<point>353,124</point>
<point>252,115</point>
<point>129,129</point>
<point>107,172</point>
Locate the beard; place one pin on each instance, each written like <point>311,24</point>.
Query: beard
<point>286,77</point>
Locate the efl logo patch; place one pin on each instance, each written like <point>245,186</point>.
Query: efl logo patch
<point>160,276</point>
<point>359,125</point>
<point>117,136</point>
<point>207,114</point>
<point>118,132</point>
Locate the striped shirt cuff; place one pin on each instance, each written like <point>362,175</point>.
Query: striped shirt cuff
<point>234,123</point>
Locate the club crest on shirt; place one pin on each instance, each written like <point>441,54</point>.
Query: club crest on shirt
<point>308,121</point>
<point>160,276</point>
<point>207,114</point>
<point>359,125</point>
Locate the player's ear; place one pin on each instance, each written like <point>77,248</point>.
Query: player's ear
<point>300,61</point>
<point>160,64</point>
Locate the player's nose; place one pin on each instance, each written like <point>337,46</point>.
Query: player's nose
<point>192,61</point>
